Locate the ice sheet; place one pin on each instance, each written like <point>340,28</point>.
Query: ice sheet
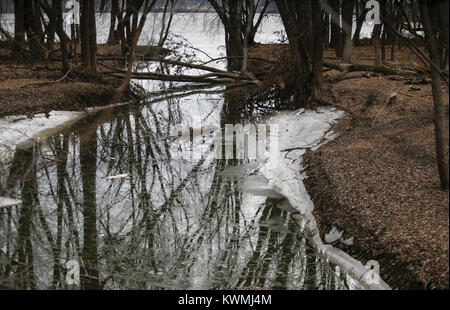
<point>298,131</point>
<point>17,130</point>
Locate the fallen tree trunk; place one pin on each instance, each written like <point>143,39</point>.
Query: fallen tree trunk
<point>207,78</point>
<point>166,61</point>
<point>358,67</point>
<point>221,77</point>
<point>343,76</point>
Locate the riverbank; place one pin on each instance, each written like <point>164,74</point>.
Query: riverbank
<point>41,87</point>
<point>378,182</point>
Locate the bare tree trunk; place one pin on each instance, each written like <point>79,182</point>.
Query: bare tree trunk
<point>234,44</point>
<point>51,27</point>
<point>165,27</point>
<point>88,36</point>
<point>347,27</point>
<point>306,23</point>
<point>236,17</point>
<point>288,15</point>
<point>376,43</point>
<point>254,27</point>
<point>318,23</point>
<point>336,30</point>
<point>85,42</point>
<point>113,37</point>
<point>443,16</point>
<point>383,44</point>
<point>92,37</point>
<point>308,79</point>
<point>247,32</point>
<point>441,127</point>
<point>60,29</point>
<point>19,28</point>
<point>393,50</point>
<point>326,31</point>
<point>397,20</point>
<point>359,23</point>
<point>33,27</point>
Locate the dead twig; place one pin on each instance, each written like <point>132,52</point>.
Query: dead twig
<point>49,82</point>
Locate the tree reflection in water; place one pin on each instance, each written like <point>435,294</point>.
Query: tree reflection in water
<point>170,221</point>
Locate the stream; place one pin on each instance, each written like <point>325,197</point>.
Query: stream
<point>135,206</point>
<point>140,208</point>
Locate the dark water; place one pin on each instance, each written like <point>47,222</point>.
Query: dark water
<point>166,221</point>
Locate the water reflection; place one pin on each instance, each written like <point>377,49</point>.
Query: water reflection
<point>137,212</point>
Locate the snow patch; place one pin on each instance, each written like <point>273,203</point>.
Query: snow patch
<point>18,131</point>
<point>310,129</point>
<point>333,235</point>
<point>8,202</point>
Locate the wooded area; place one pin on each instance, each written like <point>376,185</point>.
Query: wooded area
<point>310,26</point>
<point>53,49</point>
